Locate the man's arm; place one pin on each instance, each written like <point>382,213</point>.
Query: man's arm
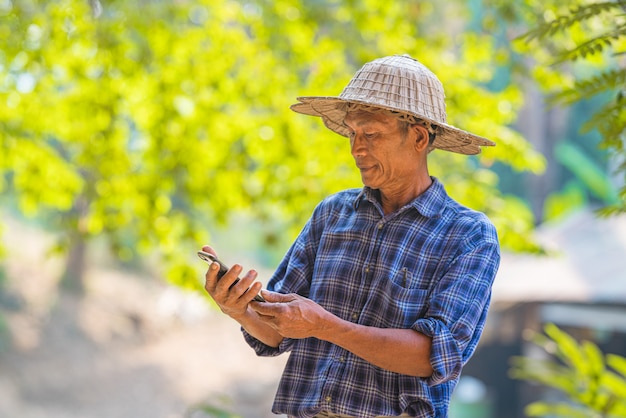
<point>398,350</point>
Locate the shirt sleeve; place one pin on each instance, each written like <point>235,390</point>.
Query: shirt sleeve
<point>293,275</point>
<point>458,306</point>
<point>264,350</point>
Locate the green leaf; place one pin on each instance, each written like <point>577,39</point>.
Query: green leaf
<point>542,409</point>
<point>560,204</point>
<point>618,363</point>
<point>586,171</point>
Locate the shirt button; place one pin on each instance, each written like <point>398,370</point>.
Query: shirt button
<point>328,399</point>
<point>380,225</point>
<point>342,359</point>
<point>355,316</point>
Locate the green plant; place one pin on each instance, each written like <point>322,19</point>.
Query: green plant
<point>209,411</point>
<point>591,40</point>
<point>594,383</point>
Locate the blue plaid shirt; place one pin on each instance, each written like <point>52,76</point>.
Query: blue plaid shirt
<point>428,266</point>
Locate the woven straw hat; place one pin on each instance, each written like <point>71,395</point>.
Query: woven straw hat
<point>401,84</point>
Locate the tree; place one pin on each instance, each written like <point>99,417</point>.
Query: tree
<point>594,384</point>
<point>591,38</point>
<point>150,122</point>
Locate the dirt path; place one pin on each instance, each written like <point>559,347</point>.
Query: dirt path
<point>131,348</point>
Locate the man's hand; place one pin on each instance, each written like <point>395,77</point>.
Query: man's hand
<point>232,301</point>
<point>399,350</point>
<point>292,316</point>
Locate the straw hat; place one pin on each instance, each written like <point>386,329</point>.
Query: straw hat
<point>401,84</point>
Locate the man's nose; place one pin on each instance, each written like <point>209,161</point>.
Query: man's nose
<point>357,145</point>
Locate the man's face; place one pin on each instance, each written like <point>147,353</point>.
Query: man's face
<point>385,155</point>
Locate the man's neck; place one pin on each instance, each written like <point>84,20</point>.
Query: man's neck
<point>392,200</point>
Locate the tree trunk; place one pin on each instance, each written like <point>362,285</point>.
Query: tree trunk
<point>73,278</point>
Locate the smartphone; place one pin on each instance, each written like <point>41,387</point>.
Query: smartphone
<point>210,259</point>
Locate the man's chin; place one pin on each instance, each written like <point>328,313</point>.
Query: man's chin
<point>368,182</point>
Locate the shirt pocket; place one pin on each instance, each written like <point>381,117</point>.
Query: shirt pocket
<point>397,306</point>
<point>406,278</point>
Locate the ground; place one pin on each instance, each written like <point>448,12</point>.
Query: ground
<point>131,347</point>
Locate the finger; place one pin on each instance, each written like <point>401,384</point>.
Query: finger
<point>277,297</point>
<point>231,276</point>
<point>253,291</point>
<point>245,283</point>
<point>267,309</point>
<point>211,278</point>
<point>209,249</point>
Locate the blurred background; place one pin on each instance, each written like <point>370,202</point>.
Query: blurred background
<point>133,133</point>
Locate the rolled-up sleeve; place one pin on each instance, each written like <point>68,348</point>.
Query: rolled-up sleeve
<point>264,350</point>
<point>445,356</point>
<point>458,308</point>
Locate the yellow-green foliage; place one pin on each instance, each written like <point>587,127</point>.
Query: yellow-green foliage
<point>594,383</point>
<point>154,120</point>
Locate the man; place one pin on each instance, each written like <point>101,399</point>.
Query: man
<point>383,296</point>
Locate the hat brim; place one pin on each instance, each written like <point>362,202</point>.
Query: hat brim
<point>448,137</point>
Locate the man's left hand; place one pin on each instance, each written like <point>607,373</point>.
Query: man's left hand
<point>292,315</point>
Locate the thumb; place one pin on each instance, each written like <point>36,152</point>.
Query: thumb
<point>273,297</point>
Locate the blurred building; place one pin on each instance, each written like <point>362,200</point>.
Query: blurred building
<point>580,287</point>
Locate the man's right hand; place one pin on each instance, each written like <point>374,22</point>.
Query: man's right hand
<point>232,301</point>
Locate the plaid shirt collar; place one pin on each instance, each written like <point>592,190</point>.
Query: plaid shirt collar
<point>429,204</point>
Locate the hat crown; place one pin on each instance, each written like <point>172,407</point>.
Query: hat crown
<point>401,83</point>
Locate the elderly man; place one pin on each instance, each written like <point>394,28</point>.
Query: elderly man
<point>383,296</point>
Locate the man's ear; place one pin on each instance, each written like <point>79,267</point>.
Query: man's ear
<point>422,138</point>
